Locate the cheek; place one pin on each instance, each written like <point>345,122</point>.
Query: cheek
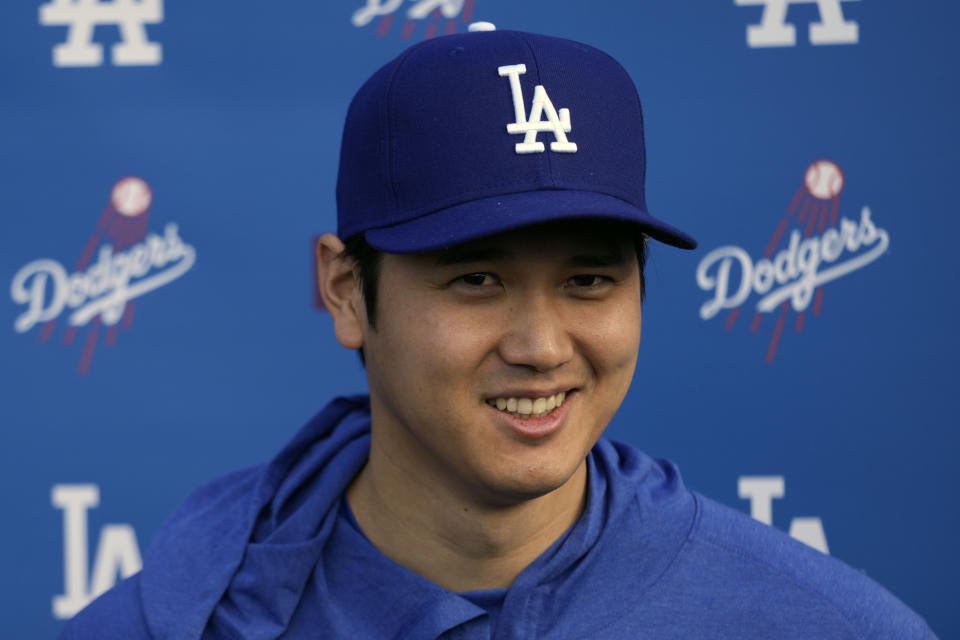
<point>610,339</point>
<point>435,343</point>
<point>610,350</point>
<point>458,341</point>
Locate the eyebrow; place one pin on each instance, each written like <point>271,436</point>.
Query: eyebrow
<point>457,256</point>
<point>603,259</point>
<point>606,258</point>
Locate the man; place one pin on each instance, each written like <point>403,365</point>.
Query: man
<point>489,269</point>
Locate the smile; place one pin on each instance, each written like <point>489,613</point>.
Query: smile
<point>529,407</point>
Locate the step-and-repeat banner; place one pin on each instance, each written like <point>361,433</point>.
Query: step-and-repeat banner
<point>165,166</point>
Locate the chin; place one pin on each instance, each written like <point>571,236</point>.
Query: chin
<point>536,483</point>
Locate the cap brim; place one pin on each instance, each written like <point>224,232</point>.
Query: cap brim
<point>488,216</point>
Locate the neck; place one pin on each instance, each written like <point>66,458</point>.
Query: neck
<point>454,540</point>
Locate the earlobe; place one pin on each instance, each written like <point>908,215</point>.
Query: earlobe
<point>339,290</point>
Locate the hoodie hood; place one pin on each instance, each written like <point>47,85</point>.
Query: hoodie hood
<point>262,551</point>
<point>265,517</point>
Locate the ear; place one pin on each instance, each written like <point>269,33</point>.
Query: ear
<point>340,291</point>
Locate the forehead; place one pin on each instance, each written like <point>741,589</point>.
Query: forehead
<point>568,240</point>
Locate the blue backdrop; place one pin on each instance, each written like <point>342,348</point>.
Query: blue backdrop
<point>164,167</point>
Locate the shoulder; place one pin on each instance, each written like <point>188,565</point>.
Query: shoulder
<point>115,615</point>
<point>767,567</point>
<point>195,553</point>
<point>184,568</point>
<point>225,497</point>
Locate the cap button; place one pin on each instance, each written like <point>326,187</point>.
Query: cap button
<point>481,26</point>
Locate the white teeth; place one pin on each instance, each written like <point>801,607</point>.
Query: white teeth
<point>529,407</point>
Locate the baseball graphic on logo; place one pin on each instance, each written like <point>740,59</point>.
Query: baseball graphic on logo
<point>824,179</point>
<point>131,196</point>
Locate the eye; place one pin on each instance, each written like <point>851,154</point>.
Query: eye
<point>589,285</point>
<point>589,281</point>
<point>480,279</point>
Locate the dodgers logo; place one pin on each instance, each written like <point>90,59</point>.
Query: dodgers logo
<point>557,122</point>
<point>773,30</point>
<point>81,16</point>
<point>129,264</point>
<point>819,250</point>
<point>438,16</point>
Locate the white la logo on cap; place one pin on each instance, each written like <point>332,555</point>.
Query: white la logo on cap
<point>557,122</point>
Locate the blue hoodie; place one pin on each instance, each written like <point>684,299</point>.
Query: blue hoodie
<point>271,552</point>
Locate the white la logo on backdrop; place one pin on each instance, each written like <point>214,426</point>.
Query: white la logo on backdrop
<point>420,10</point>
<point>557,122</point>
<point>81,16</point>
<point>761,491</point>
<point>117,550</point>
<point>773,30</point>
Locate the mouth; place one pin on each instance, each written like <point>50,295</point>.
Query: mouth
<point>527,407</point>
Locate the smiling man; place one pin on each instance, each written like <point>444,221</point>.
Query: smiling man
<point>488,266</point>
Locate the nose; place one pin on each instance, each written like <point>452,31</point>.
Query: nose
<point>537,337</point>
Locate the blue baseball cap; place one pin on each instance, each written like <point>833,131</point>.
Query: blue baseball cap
<point>473,134</point>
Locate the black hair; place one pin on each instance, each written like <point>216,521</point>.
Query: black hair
<point>366,267</point>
